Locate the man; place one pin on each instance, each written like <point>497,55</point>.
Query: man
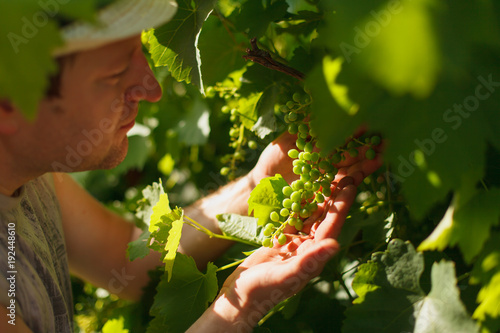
<point>56,227</point>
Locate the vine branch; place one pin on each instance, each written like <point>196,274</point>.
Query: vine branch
<point>264,58</point>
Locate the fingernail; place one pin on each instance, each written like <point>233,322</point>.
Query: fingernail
<point>346,181</point>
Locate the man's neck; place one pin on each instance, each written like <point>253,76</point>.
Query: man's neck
<point>12,176</point>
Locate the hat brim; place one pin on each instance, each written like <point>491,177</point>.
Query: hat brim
<point>120,20</point>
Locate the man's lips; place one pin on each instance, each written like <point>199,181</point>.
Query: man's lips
<point>130,121</point>
<point>128,126</point>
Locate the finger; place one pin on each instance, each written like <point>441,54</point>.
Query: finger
<point>359,170</point>
<point>332,224</point>
<point>312,259</point>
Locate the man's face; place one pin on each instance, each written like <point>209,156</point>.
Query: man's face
<point>86,128</point>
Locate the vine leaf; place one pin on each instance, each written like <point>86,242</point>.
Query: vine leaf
<point>442,310</point>
<point>266,122</point>
<point>180,301</point>
<point>161,209</point>
<point>242,227</point>
<point>486,271</point>
<point>26,49</point>
<point>115,326</point>
<point>139,248</point>
<point>174,220</point>
<point>266,197</point>
<point>194,128</point>
<point>175,44</point>
<point>150,197</point>
<point>392,300</point>
<point>248,110</point>
<point>266,12</point>
<point>467,222</point>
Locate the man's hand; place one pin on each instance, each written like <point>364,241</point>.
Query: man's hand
<point>274,159</point>
<point>270,275</point>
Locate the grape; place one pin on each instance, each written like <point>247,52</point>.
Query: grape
<point>326,191</point>
<point>239,155</point>
<point>234,132</point>
<point>268,231</point>
<point>293,153</point>
<point>225,171</point>
<point>308,194</point>
<point>287,203</point>
<point>315,174</point>
<point>307,156</point>
<point>306,168</point>
<point>290,104</point>
<point>296,207</point>
<point>299,225</point>
<point>300,143</point>
<point>303,128</point>
<point>274,217</point>
<point>284,212</point>
<point>308,148</point>
<point>252,144</point>
<point>319,198</point>
<point>308,185</point>
<point>304,213</point>
<point>292,221</point>
<point>336,158</point>
<point>293,129</point>
<point>282,239</point>
<point>353,152</point>
<point>312,207</point>
<point>292,116</point>
<point>287,191</point>
<point>225,109</point>
<point>305,177</point>
<point>295,196</point>
<point>326,166</point>
<point>297,97</point>
<point>298,185</point>
<point>329,177</point>
<point>267,242</point>
<point>370,154</point>
<point>375,140</point>
<point>315,157</point>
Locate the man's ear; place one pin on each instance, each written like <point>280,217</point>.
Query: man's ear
<point>8,118</point>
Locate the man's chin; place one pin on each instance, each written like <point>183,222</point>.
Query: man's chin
<point>114,157</point>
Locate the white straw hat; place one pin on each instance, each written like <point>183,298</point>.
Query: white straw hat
<point>121,19</point>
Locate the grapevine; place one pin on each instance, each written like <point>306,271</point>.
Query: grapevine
<point>314,167</point>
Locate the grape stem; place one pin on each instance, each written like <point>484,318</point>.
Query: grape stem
<point>211,234</point>
<point>264,58</point>
<point>236,263</point>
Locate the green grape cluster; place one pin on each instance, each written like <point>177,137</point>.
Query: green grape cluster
<point>240,137</point>
<point>315,169</point>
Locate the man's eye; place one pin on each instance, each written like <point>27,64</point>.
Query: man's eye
<point>118,75</point>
